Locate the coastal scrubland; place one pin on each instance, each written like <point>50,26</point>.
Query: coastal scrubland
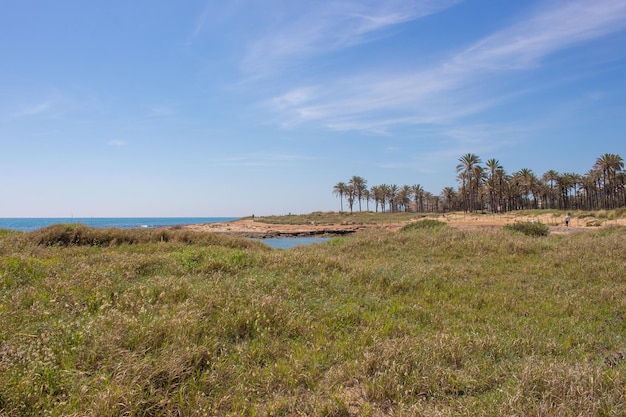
<point>549,217</point>
<point>363,217</point>
<point>429,320</point>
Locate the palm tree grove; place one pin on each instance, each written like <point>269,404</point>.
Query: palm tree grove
<point>486,186</point>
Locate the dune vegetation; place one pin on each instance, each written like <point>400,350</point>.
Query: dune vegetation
<point>429,320</point>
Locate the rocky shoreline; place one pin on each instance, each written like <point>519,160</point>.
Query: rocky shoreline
<point>259,230</point>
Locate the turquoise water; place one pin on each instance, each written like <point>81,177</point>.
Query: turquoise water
<point>290,242</point>
<point>30,224</point>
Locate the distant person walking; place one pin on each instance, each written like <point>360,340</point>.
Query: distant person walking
<point>567,220</point>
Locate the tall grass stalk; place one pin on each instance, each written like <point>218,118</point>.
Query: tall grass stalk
<point>427,321</point>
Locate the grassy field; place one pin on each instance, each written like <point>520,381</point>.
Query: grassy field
<point>428,321</point>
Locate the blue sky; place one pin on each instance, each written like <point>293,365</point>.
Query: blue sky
<point>213,108</point>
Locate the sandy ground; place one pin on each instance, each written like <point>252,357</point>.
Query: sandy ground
<point>555,223</point>
<point>258,229</point>
<point>252,228</point>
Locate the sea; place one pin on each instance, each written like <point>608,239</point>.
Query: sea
<point>33,223</point>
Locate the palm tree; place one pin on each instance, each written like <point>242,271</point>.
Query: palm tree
<point>427,196</point>
<point>435,202</point>
<point>383,191</point>
<point>350,195</point>
<point>418,195</point>
<point>359,185</point>
<point>542,194</point>
<point>604,186</point>
<point>479,175</point>
<point>367,197</point>
<point>576,178</point>
<point>465,170</point>
<point>565,182</point>
<point>392,195</point>
<point>527,181</point>
<point>340,189</point>
<point>449,196</point>
<point>404,197</point>
<point>376,194</point>
<point>621,187</point>
<point>493,166</point>
<point>588,184</point>
<point>502,182</point>
<point>551,176</point>
<point>609,165</point>
<point>509,192</point>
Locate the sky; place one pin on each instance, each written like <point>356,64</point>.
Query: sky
<point>211,108</point>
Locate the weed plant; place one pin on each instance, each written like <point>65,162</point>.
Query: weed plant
<point>529,228</point>
<point>424,224</point>
<point>433,322</point>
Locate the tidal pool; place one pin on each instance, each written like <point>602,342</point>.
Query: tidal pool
<point>290,242</point>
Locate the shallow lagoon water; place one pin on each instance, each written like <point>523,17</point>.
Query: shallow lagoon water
<point>290,242</point>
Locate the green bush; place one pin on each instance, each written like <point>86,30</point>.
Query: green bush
<point>529,229</point>
<point>424,224</point>
<point>81,235</point>
<point>593,223</point>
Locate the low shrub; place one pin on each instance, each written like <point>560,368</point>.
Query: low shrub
<point>593,223</point>
<point>81,235</point>
<point>529,229</point>
<point>8,232</point>
<point>424,224</point>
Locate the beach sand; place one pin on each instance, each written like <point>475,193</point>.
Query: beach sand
<point>555,223</point>
<point>250,228</point>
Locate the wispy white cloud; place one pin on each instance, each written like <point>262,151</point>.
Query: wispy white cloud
<point>201,21</point>
<point>117,143</point>
<point>29,111</point>
<point>258,160</point>
<point>378,103</point>
<point>46,103</point>
<point>446,92</point>
<point>525,44</point>
<point>213,14</point>
<point>316,27</point>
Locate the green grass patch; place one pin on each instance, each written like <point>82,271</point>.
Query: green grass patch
<point>529,228</point>
<point>428,224</point>
<point>379,323</point>
<point>81,235</point>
